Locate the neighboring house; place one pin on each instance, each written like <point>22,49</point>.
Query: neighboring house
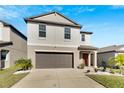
<point>13,45</point>
<point>54,41</point>
<point>105,53</point>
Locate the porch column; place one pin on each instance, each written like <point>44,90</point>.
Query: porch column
<point>95,58</point>
<point>89,59</point>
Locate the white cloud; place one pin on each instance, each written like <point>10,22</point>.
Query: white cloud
<point>46,8</point>
<point>85,9</point>
<point>7,14</point>
<point>10,12</point>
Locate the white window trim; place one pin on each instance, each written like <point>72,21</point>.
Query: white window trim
<point>42,38</point>
<point>68,40</point>
<point>84,38</point>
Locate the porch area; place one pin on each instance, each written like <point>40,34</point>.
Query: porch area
<point>88,55</point>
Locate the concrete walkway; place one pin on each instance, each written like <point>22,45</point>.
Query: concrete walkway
<point>57,78</point>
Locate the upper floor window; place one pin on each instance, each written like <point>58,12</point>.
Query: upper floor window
<point>67,33</point>
<point>82,37</point>
<point>42,31</point>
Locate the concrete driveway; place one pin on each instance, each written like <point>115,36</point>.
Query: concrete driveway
<point>57,78</point>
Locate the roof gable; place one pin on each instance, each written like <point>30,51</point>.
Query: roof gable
<point>54,17</point>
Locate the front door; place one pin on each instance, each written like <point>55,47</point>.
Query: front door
<point>85,58</point>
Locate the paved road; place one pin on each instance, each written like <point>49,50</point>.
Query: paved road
<point>57,78</point>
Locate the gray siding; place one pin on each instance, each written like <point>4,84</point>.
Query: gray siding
<point>104,57</point>
<point>18,49</point>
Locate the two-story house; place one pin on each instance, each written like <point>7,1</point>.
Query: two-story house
<point>13,45</point>
<point>55,41</point>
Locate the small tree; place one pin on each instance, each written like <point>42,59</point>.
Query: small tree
<point>112,62</point>
<point>118,60</point>
<point>24,64</point>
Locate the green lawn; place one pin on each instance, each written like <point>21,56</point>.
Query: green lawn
<point>109,81</point>
<point>7,78</point>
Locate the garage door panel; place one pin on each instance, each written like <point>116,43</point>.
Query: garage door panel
<point>54,60</point>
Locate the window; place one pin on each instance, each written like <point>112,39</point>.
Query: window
<point>67,34</point>
<point>82,37</point>
<point>42,31</point>
<point>4,54</point>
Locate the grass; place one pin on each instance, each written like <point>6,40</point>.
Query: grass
<point>7,78</point>
<point>109,81</point>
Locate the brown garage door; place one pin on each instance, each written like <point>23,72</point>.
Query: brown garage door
<point>54,60</point>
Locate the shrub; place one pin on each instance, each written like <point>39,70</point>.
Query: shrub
<point>112,71</point>
<point>104,65</point>
<point>81,66</point>
<point>24,64</point>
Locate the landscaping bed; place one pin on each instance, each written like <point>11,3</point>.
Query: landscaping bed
<point>109,81</point>
<point>7,78</point>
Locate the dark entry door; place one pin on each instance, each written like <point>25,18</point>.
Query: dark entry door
<point>85,57</point>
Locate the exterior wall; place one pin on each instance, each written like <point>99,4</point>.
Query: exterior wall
<point>0,32</point>
<point>33,49</point>
<point>121,49</point>
<point>87,39</point>
<point>118,53</point>
<point>104,57</point>
<point>18,49</point>
<point>54,36</point>
<point>5,35</point>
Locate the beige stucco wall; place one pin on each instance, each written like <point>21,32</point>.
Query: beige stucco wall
<point>1,26</point>
<point>33,49</point>
<point>55,36</point>
<point>104,57</point>
<point>4,32</point>
<point>18,49</point>
<point>87,39</point>
<point>54,18</point>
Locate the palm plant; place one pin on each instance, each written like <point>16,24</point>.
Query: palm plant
<point>112,61</point>
<point>118,61</point>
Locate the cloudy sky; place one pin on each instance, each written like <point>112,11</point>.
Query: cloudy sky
<point>106,22</point>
